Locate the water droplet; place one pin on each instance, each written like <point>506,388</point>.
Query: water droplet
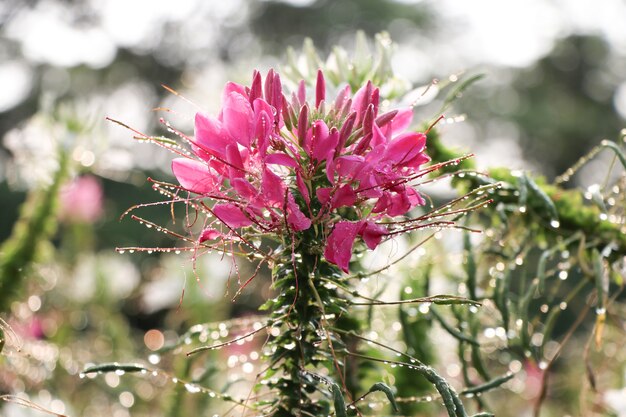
<point>121,251</point>
<point>555,224</point>
<point>192,388</point>
<point>154,359</point>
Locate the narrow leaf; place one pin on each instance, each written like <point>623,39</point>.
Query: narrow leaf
<point>113,367</point>
<point>379,386</point>
<point>340,403</point>
<point>454,94</point>
<point>542,198</point>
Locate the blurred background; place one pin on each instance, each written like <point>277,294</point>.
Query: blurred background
<point>555,86</point>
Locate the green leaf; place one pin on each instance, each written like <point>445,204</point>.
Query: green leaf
<point>380,386</point>
<point>542,198</point>
<point>541,269</point>
<point>114,367</point>
<point>489,385</point>
<point>615,148</point>
<point>340,403</point>
<point>454,94</point>
<point>470,265</point>
<point>599,272</point>
<point>522,185</point>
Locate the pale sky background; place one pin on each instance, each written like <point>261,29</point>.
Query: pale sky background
<point>474,35</point>
<point>509,33</point>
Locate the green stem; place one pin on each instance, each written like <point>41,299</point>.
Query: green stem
<point>297,352</point>
<point>35,226</point>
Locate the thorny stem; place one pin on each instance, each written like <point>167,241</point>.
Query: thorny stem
<point>307,310</point>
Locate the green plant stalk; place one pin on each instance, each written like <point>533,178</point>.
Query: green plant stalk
<point>305,343</point>
<point>175,406</point>
<point>415,332</point>
<point>533,193</point>
<point>35,226</point>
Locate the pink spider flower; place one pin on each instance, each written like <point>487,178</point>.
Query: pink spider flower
<point>281,165</point>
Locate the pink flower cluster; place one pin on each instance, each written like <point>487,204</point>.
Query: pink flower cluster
<point>282,165</point>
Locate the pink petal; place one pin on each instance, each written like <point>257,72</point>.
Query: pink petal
<point>209,234</point>
<point>303,188</point>
<point>238,118</point>
<point>302,92</point>
<point>295,217</point>
<point>403,201</point>
<point>264,124</point>
<point>304,135</point>
<point>272,189</point>
<point>348,166</point>
<point>378,137</point>
<point>382,204</point>
<point>323,194</point>
<point>344,196</point>
<point>231,215</point>
<point>330,167</point>
<point>281,159</point>
<point>320,88</point>
<point>273,89</point>
<point>235,162</point>
<point>346,131</point>
<point>265,118</point>
<point>319,137</point>
<point>244,188</point>
<point>256,89</point>
<point>372,234</point>
<point>326,148</point>
<point>361,101</point>
<point>340,242</point>
<point>340,101</point>
<point>375,99</point>
<point>402,120</point>
<point>405,148</point>
<point>232,87</point>
<point>370,186</point>
<point>193,175</point>
<point>415,198</point>
<point>210,137</point>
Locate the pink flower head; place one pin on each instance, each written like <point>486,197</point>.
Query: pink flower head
<point>81,200</point>
<point>281,166</point>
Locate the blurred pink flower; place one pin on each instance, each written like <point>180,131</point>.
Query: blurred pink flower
<point>81,200</point>
<point>280,166</point>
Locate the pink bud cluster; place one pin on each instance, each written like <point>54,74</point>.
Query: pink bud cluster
<point>278,164</point>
